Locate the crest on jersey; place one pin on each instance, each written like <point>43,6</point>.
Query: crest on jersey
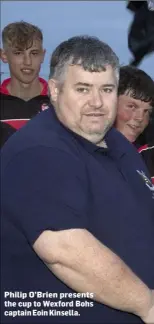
<point>44,106</point>
<point>147,181</point>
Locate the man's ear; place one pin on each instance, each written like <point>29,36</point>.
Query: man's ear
<point>3,56</point>
<point>44,51</point>
<point>53,88</point>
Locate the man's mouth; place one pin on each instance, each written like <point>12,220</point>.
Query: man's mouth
<point>27,71</point>
<point>94,115</point>
<point>134,127</point>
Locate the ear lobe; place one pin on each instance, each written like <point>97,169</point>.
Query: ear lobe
<point>44,51</point>
<point>53,88</point>
<point>3,56</point>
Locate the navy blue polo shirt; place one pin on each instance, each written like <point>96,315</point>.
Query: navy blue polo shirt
<point>54,179</point>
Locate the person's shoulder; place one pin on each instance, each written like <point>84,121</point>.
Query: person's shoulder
<point>143,148</point>
<point>43,132</point>
<point>146,147</point>
<point>118,140</point>
<point>4,97</point>
<point>147,152</point>
<point>151,144</point>
<point>44,83</point>
<point>3,86</point>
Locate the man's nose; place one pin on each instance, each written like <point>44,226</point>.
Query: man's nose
<point>139,114</point>
<point>96,99</point>
<point>27,59</point>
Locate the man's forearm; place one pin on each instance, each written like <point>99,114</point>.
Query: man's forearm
<point>84,264</point>
<point>119,289</point>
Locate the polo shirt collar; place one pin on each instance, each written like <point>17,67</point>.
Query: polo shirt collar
<point>112,138</point>
<point>117,142</point>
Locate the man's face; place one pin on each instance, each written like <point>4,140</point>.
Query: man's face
<point>24,65</point>
<point>86,102</point>
<point>132,116</point>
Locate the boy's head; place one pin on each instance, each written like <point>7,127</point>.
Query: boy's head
<point>135,102</point>
<point>22,50</point>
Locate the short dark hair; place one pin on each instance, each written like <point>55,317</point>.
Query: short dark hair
<point>89,52</point>
<point>136,83</point>
<point>21,35</point>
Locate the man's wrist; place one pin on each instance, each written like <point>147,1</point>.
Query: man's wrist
<point>145,304</point>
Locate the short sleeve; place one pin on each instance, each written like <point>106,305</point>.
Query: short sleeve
<point>45,188</point>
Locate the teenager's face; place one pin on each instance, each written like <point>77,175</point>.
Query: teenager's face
<point>25,64</point>
<point>132,116</point>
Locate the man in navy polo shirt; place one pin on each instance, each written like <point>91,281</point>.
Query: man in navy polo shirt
<point>77,203</point>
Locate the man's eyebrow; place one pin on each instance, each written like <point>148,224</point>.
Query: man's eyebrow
<point>17,49</point>
<point>131,100</point>
<point>136,104</point>
<point>20,49</point>
<point>90,85</point>
<point>108,85</point>
<point>83,84</point>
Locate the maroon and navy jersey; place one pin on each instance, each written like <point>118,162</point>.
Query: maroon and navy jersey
<point>15,112</point>
<point>147,152</point>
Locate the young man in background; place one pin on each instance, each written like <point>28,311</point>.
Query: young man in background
<point>24,94</point>
<point>135,104</point>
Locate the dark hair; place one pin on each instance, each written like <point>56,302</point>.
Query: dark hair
<point>136,83</point>
<point>21,35</point>
<point>89,52</point>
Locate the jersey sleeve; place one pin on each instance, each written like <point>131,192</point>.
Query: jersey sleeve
<point>45,189</point>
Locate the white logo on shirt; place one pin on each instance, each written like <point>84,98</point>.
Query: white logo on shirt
<point>147,181</point>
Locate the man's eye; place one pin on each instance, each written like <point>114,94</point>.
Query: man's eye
<point>34,53</point>
<point>17,53</point>
<point>82,90</point>
<point>131,106</point>
<point>108,90</point>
